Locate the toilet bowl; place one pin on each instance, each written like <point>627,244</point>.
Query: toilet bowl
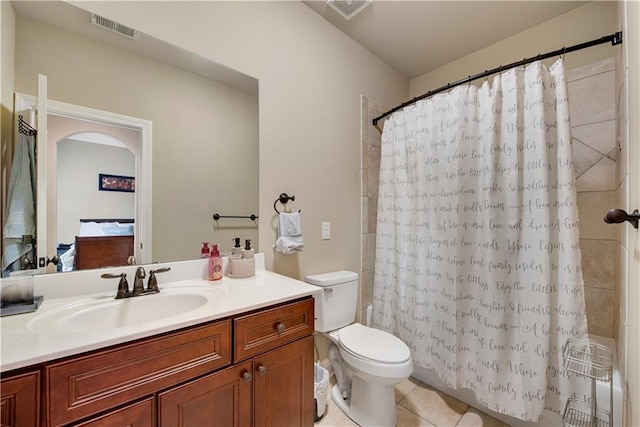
<point>368,362</point>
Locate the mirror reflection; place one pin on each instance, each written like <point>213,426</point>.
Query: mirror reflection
<point>204,133</point>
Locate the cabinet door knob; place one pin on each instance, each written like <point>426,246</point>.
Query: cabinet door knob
<point>280,327</point>
<point>247,377</point>
<point>262,370</point>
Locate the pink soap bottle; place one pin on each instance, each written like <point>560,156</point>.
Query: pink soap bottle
<point>215,264</point>
<point>204,252</point>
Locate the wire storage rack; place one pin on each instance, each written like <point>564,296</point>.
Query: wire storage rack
<point>594,361</point>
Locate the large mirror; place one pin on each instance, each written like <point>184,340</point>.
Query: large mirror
<point>204,120</point>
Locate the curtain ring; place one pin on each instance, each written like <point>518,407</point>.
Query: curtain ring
<point>564,52</point>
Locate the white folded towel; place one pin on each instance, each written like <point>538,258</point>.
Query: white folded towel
<point>290,234</point>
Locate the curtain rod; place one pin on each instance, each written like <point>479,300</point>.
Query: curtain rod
<point>615,39</point>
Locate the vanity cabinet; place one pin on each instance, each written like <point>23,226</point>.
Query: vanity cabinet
<point>270,384</point>
<point>139,414</point>
<point>222,399</point>
<point>253,369</point>
<point>283,386</point>
<point>89,384</point>
<point>282,374</point>
<point>20,400</point>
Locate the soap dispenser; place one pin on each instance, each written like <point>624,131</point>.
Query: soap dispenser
<point>247,252</point>
<point>215,264</point>
<point>204,252</point>
<point>236,249</point>
<point>244,265</point>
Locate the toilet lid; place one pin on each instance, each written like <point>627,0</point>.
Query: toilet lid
<point>373,344</point>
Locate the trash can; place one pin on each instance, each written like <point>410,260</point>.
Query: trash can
<point>320,390</point>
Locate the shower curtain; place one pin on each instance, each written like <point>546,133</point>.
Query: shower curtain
<point>477,262</point>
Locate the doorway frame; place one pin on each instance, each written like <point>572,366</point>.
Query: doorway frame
<point>143,166</point>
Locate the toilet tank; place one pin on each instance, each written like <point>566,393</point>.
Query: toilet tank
<point>336,305</point>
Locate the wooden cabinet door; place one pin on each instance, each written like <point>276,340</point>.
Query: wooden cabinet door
<point>222,399</point>
<point>20,401</point>
<point>139,414</point>
<point>96,382</point>
<point>283,386</point>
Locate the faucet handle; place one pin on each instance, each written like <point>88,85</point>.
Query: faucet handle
<point>123,285</point>
<point>152,286</point>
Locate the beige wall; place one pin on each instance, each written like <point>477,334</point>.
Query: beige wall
<point>311,76</point>
<point>588,22</point>
<point>79,164</point>
<point>205,152</point>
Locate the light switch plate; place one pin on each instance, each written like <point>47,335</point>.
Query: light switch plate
<point>326,230</point>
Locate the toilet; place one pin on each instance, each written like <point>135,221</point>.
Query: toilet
<point>367,362</point>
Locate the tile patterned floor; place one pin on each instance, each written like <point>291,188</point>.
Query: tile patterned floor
<point>419,405</point>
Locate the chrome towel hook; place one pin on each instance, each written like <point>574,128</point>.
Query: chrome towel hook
<point>615,216</point>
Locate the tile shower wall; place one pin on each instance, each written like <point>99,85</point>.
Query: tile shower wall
<point>592,105</point>
<point>593,122</point>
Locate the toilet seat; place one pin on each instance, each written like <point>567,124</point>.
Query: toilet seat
<point>373,345</point>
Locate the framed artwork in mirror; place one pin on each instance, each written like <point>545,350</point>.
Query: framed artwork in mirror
<point>108,182</point>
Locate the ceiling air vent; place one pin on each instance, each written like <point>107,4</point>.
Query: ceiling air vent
<point>348,8</point>
<point>114,26</point>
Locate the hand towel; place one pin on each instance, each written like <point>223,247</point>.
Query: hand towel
<point>290,234</point>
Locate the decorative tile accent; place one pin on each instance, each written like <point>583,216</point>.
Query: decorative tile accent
<point>367,289</point>
<point>600,177</point>
<point>589,70</point>
<point>374,136</point>
<point>592,99</point>
<point>584,157</point>
<point>368,251</point>
<point>364,212</point>
<point>592,207</point>
<point>373,170</point>
<point>599,263</point>
<point>599,136</point>
<point>373,214</point>
<point>600,305</point>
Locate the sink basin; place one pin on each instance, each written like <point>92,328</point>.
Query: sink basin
<point>101,314</point>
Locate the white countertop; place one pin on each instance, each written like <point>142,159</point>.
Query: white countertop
<point>24,345</point>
